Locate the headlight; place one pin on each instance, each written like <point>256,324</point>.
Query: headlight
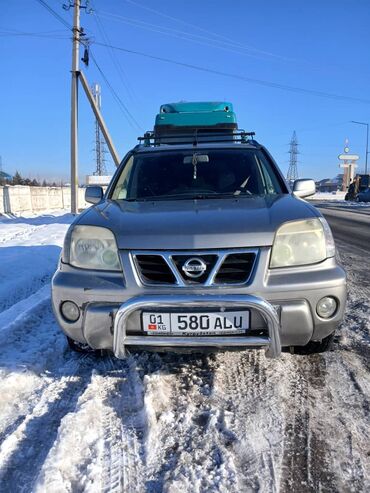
<point>93,247</point>
<point>301,243</point>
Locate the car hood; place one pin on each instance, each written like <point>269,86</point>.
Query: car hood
<point>197,224</point>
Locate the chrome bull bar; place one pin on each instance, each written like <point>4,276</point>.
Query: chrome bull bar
<point>268,312</point>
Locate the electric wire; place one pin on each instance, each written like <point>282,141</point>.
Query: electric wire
<point>54,14</point>
<point>207,31</point>
<point>228,45</point>
<point>36,35</point>
<point>175,33</point>
<point>251,80</point>
<point>121,73</point>
<point>129,117</point>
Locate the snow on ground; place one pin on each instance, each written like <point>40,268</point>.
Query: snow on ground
<point>228,422</point>
<point>337,200</point>
<point>344,204</point>
<point>328,196</point>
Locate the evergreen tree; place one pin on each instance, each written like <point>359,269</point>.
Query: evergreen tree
<point>17,179</point>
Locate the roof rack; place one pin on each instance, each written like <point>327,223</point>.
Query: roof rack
<point>151,138</point>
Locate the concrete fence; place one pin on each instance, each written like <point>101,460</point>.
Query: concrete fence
<point>18,199</point>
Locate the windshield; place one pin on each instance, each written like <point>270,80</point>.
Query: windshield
<point>198,173</point>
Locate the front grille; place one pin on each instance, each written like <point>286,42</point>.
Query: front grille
<point>235,269</point>
<point>223,267</point>
<point>155,269</point>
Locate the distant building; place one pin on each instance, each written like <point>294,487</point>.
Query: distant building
<point>326,185</point>
<point>330,184</point>
<point>339,180</point>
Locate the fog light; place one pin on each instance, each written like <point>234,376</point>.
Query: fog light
<point>70,311</point>
<point>326,307</point>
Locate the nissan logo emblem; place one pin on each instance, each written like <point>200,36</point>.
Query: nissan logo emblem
<point>194,267</point>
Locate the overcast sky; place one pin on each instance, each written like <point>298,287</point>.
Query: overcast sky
<point>321,46</point>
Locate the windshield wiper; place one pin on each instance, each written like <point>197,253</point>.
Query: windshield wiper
<point>186,196</point>
<point>189,196</point>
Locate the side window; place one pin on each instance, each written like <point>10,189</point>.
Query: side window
<point>271,182</point>
<point>120,191</point>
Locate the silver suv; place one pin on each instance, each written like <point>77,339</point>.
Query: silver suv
<point>199,245</point>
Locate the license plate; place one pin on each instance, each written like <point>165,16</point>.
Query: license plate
<point>199,324</point>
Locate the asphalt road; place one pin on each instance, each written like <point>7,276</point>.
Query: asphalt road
<point>351,228</point>
<point>351,232</point>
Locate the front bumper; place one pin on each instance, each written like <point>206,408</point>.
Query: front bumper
<point>111,307</point>
<point>267,311</point>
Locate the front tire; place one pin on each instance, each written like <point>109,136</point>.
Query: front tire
<point>314,347</point>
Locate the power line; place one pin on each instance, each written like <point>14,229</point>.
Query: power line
<point>53,31</point>
<point>54,14</point>
<point>118,99</point>
<point>232,42</point>
<point>195,38</point>
<point>35,35</point>
<point>251,80</point>
<point>212,33</point>
<point>121,73</point>
<point>130,118</point>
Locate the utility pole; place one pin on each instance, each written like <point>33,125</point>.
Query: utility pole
<point>74,106</point>
<point>77,34</point>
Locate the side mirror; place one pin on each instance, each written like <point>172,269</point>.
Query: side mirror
<point>304,188</point>
<point>93,195</point>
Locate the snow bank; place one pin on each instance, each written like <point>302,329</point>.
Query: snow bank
<point>29,252</point>
<point>328,196</point>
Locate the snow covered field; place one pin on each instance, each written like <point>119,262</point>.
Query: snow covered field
<point>231,422</point>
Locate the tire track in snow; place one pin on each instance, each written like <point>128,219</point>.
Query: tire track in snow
<point>305,458</point>
<point>24,290</point>
<point>19,311</point>
<point>348,422</point>
<point>23,453</point>
<point>124,426</point>
<point>187,446</point>
<point>249,387</point>
<point>324,448</point>
<point>22,233</point>
<point>74,461</point>
<point>44,381</point>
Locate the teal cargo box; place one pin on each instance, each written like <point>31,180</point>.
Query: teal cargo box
<point>187,117</point>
